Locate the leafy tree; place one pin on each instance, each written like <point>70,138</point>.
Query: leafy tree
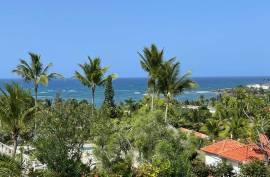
<point>9,167</point>
<point>64,128</point>
<point>112,146</point>
<point>16,110</point>
<point>254,168</point>
<point>200,169</point>
<point>171,159</point>
<point>159,145</point>
<point>35,72</point>
<point>222,170</point>
<point>151,61</point>
<point>109,104</point>
<point>93,76</point>
<point>148,170</point>
<point>171,84</point>
<point>147,130</point>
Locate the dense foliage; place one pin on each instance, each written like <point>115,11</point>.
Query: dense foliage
<point>133,138</point>
<point>10,167</point>
<point>63,129</point>
<point>255,169</point>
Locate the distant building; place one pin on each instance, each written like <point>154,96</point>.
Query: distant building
<point>259,86</point>
<point>233,152</point>
<point>194,107</point>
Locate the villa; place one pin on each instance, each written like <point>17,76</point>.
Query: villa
<point>233,152</point>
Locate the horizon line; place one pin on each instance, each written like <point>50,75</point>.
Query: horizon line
<point>141,77</point>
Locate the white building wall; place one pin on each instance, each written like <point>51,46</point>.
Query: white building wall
<point>235,165</point>
<point>213,160</point>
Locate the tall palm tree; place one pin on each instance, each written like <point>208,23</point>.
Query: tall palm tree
<point>93,76</point>
<point>151,61</point>
<point>171,84</point>
<point>16,110</point>
<point>35,72</point>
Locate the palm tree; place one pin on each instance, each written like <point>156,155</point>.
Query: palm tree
<point>151,61</point>
<point>130,106</point>
<point>35,72</point>
<point>93,76</point>
<point>237,127</point>
<point>16,110</point>
<point>171,84</point>
<point>213,127</point>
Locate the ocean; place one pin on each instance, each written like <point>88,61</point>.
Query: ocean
<point>134,88</point>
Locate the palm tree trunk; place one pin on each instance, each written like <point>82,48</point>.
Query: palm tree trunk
<point>36,94</point>
<point>15,143</point>
<point>166,112</point>
<point>167,101</point>
<point>152,101</point>
<point>153,97</point>
<point>36,103</point>
<point>93,99</point>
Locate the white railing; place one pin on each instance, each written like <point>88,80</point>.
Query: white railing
<point>5,149</point>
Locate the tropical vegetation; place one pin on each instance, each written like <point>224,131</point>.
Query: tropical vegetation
<point>139,138</point>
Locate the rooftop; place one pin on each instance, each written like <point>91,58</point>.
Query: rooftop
<point>236,151</point>
<point>222,146</point>
<point>197,134</point>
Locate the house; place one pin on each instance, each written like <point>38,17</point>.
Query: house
<point>233,152</point>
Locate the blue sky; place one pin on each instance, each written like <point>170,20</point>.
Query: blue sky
<point>211,38</point>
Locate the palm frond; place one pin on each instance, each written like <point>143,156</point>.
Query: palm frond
<point>45,70</point>
<point>82,79</point>
<point>14,104</point>
<point>55,76</point>
<point>43,79</point>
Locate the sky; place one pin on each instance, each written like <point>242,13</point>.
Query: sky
<point>209,37</point>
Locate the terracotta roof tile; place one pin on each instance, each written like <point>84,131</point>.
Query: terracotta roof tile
<point>244,153</point>
<point>222,146</point>
<point>197,134</point>
<point>233,150</point>
<point>264,139</point>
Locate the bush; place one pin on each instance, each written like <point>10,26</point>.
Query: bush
<point>200,169</point>
<point>222,170</point>
<point>255,168</point>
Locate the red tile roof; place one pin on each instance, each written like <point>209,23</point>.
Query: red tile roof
<point>264,139</point>
<point>244,153</point>
<point>233,150</point>
<point>222,146</point>
<point>197,134</point>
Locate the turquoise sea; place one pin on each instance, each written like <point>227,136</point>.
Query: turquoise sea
<point>134,87</point>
